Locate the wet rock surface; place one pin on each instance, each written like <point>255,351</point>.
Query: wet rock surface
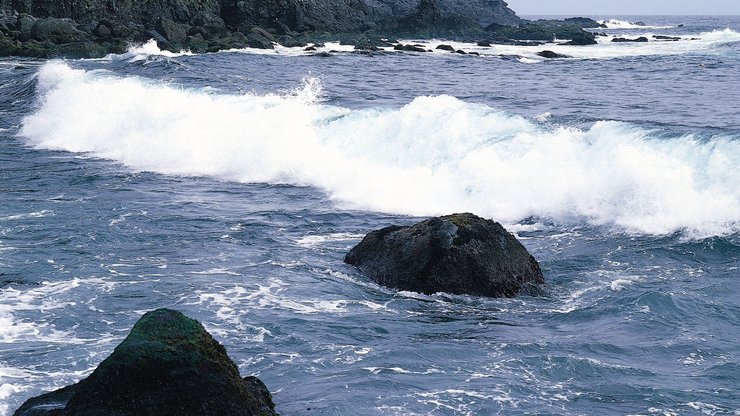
<point>168,365</point>
<point>459,254</point>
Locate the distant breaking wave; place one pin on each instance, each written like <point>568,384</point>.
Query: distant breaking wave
<point>434,155</point>
<point>621,24</point>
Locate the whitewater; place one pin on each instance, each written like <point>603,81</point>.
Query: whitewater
<point>230,186</point>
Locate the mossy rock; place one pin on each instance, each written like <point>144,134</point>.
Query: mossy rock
<point>168,365</point>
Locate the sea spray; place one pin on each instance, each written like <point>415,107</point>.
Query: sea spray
<point>434,155</point>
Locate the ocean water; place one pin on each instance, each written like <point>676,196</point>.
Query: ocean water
<point>231,185</point>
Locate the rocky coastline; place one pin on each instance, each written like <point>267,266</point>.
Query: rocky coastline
<point>95,28</point>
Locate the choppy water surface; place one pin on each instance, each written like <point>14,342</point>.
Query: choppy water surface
<point>231,185</point>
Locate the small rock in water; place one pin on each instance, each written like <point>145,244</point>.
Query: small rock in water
<point>622,40</point>
<point>168,365</point>
<point>445,48</point>
<point>550,55</point>
<point>459,254</point>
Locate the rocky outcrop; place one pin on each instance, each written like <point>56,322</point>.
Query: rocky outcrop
<point>542,30</point>
<point>641,39</point>
<point>168,365</point>
<point>460,254</point>
<point>92,28</point>
<point>550,55</point>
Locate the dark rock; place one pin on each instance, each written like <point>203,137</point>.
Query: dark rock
<point>103,31</point>
<point>623,40</point>
<point>550,55</point>
<point>460,254</point>
<point>639,24</point>
<point>445,48</point>
<point>583,38</point>
<point>474,53</point>
<point>429,21</point>
<point>24,25</point>
<point>290,42</point>
<point>670,38</point>
<point>363,44</point>
<point>8,46</point>
<point>484,44</point>
<point>168,365</point>
<point>56,31</point>
<point>310,48</point>
<point>156,36</point>
<point>212,23</point>
<point>461,52</point>
<point>36,49</point>
<point>263,33</point>
<point>584,22</point>
<point>197,44</point>
<point>409,48</point>
<point>256,39</point>
<point>79,50</point>
<point>175,33</point>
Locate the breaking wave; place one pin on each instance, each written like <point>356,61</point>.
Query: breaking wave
<point>434,155</point>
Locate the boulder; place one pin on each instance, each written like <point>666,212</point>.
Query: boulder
<point>168,365</point>
<point>583,38</point>
<point>459,254</point>
<point>409,48</point>
<point>175,33</point>
<point>584,22</point>
<point>447,48</point>
<point>623,40</point>
<point>24,25</point>
<point>290,42</point>
<point>669,38</point>
<point>550,55</point>
<point>56,31</point>
<point>7,46</point>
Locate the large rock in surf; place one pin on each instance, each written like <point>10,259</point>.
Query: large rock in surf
<point>459,253</point>
<point>168,365</point>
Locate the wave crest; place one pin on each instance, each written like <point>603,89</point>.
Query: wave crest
<point>432,156</point>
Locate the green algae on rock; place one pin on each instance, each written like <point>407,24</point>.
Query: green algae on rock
<point>168,365</point>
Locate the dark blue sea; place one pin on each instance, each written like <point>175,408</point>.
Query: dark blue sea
<point>231,185</point>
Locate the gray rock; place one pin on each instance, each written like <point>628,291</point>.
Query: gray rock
<point>175,33</point>
<point>56,31</point>
<point>24,25</point>
<point>460,254</point>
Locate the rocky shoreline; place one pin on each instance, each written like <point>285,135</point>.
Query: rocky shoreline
<point>95,28</point>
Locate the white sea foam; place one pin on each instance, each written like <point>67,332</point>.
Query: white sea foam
<point>318,240</point>
<point>621,24</point>
<point>145,50</point>
<point>432,156</point>
<point>606,49</point>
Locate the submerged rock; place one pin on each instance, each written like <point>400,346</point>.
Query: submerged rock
<point>551,55</point>
<point>623,40</point>
<point>459,253</point>
<point>168,365</point>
